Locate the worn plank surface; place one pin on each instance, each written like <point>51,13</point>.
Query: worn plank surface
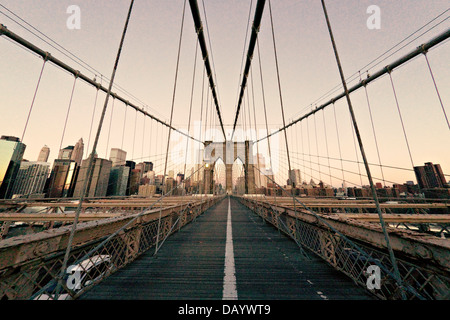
<point>190,265</point>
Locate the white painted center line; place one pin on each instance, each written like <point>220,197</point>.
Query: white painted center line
<point>229,280</point>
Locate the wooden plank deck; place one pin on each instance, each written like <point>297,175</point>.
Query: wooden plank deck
<point>190,265</point>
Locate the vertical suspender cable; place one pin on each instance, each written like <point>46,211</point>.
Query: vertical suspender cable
<point>171,119</point>
<point>206,115</point>
<point>92,120</point>
<point>317,148</point>
<point>249,117</point>
<point>134,136</point>
<point>200,162</point>
<point>91,158</point>
<point>369,175</point>
<point>68,111</point>
<point>326,145</point>
<point>309,148</point>
<point>356,153</point>
<point>190,108</point>
<point>264,104</point>
<point>109,131</point>
<point>339,144</point>
<point>174,91</point>
<point>401,119</point>
<point>279,88</point>
<point>150,145</point>
<point>374,134</point>
<point>124,123</point>
<point>143,141</point>
<point>256,127</point>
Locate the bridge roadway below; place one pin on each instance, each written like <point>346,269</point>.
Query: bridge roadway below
<point>191,265</point>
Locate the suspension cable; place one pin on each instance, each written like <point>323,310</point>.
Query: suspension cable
<point>68,111</point>
<point>374,134</point>
<point>253,40</point>
<point>91,159</point>
<point>326,145</point>
<point>93,116</point>
<point>279,88</point>
<point>256,128</point>
<point>264,103</point>
<point>401,119</point>
<point>124,125</point>
<point>34,98</point>
<point>201,38</point>
<point>190,108</point>
<point>317,148</point>
<point>174,90</point>
<point>355,125</point>
<point>339,143</point>
<point>24,43</point>
<point>436,88</point>
<point>397,63</point>
<point>109,130</point>
<point>134,134</point>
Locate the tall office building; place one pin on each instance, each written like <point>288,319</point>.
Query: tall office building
<point>145,167</point>
<point>11,154</point>
<point>134,181</point>
<point>44,154</point>
<point>150,177</point>
<point>260,168</point>
<point>62,179</point>
<point>118,157</point>
<point>31,178</point>
<point>270,178</point>
<point>77,153</point>
<point>118,181</point>
<point>98,186</point>
<point>130,164</point>
<point>430,176</point>
<point>295,177</point>
<point>66,153</point>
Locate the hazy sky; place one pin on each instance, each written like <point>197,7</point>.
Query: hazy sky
<point>307,71</point>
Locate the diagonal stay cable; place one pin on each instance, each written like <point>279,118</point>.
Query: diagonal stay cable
<point>363,154</point>
<point>91,158</point>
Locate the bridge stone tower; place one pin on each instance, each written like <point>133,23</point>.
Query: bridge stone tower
<point>229,152</point>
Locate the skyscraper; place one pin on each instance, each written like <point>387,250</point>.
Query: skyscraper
<point>98,186</point>
<point>44,154</point>
<point>66,153</point>
<point>295,177</point>
<point>145,167</point>
<point>77,153</point>
<point>430,176</point>
<point>31,178</point>
<point>118,157</point>
<point>11,154</point>
<point>118,181</point>
<point>260,168</point>
<point>62,179</point>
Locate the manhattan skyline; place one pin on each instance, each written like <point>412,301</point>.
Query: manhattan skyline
<point>307,71</point>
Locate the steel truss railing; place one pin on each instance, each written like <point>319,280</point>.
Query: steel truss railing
<point>93,261</point>
<point>339,251</point>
